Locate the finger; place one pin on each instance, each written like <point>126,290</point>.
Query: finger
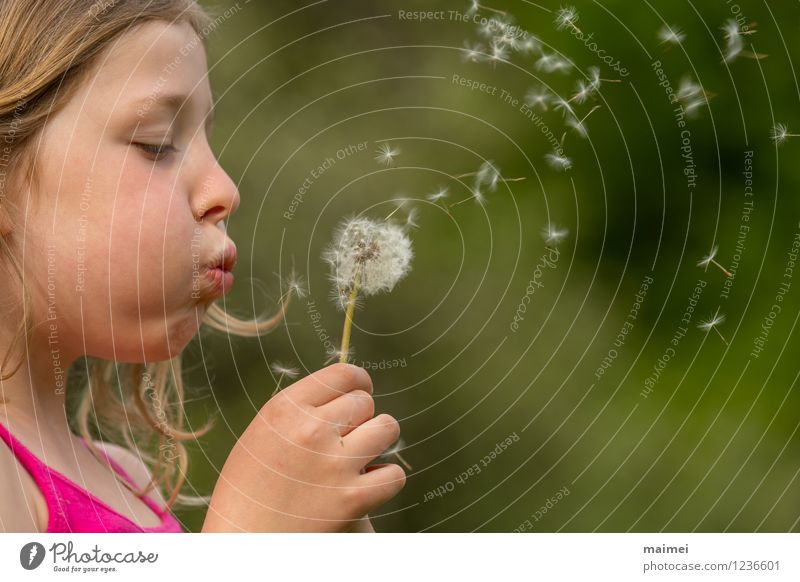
<point>348,410</point>
<point>329,383</point>
<point>381,483</point>
<point>369,440</point>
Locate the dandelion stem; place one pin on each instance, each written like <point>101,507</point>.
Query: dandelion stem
<point>724,270</point>
<point>495,10</point>
<point>585,117</point>
<point>278,386</point>
<point>402,460</point>
<point>720,335</point>
<point>348,320</point>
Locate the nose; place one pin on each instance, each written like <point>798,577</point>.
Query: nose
<point>217,197</point>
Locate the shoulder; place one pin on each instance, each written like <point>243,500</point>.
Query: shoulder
<point>18,512</point>
<point>133,465</point>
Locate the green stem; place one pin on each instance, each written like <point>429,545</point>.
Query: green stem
<point>348,319</point>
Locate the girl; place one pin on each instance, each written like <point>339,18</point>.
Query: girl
<point>112,236</point>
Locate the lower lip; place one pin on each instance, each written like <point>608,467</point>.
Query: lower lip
<point>221,279</point>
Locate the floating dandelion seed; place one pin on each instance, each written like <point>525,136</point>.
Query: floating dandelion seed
<point>709,259</point>
<point>473,52</point>
<point>366,257</point>
<point>487,175</point>
<point>282,372</point>
<point>395,450</point>
<point>498,54</point>
<point>579,125</point>
<point>529,46</point>
<point>734,43</point>
<point>386,154</point>
<point>691,95</point>
<point>583,91</point>
<point>564,106</point>
<point>440,194</point>
<point>558,161</point>
<point>552,235</point>
<point>537,97</point>
<point>780,133</point>
<point>671,35</point>
<point>475,7</point>
<point>550,62</point>
<point>712,323</point>
<point>566,18</point>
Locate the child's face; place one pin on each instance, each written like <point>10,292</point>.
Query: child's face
<point>120,242</point>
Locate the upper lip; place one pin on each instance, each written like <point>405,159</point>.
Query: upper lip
<point>225,259</point>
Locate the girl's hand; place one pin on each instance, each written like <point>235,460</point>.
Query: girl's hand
<point>298,465</point>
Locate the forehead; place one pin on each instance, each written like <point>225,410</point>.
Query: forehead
<point>151,62</point>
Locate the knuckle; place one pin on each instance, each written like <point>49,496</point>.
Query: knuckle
<point>309,431</point>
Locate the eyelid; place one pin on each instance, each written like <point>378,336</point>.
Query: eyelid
<point>163,147</point>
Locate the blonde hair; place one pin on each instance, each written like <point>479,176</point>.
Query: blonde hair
<point>46,47</point>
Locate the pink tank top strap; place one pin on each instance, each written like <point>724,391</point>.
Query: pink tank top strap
<point>71,508</point>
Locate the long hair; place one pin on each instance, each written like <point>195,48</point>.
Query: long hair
<point>46,48</point>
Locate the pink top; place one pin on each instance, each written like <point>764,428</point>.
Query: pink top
<point>73,509</point>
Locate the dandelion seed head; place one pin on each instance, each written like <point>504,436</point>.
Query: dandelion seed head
<point>380,251</point>
<point>708,324</point>
<point>779,133</point>
<point>386,154</point>
<point>558,161</point>
<point>566,17</point>
<point>706,260</point>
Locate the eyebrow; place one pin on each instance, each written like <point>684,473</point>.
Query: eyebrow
<point>174,101</point>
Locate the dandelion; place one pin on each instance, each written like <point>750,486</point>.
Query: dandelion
<point>670,35</point>
<point>558,161</point>
<point>552,235</point>
<point>537,97</point>
<point>282,371</point>
<point>712,323</point>
<point>566,18</point>
<point>386,154</point>
<point>583,91</point>
<point>563,105</point>
<point>366,257</point>
<point>595,80</point>
<point>709,259</point>
<point>780,133</point>
<point>395,450</point>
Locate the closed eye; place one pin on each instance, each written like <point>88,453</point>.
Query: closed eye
<point>156,151</point>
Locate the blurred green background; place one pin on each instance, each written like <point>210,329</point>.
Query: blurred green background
<point>713,446</point>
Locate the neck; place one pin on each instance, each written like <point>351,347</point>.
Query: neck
<point>35,394</point>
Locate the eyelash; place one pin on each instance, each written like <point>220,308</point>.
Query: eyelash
<point>161,150</point>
